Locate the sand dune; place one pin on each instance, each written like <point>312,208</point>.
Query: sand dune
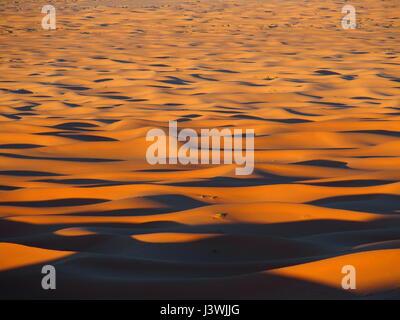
<point>76,190</point>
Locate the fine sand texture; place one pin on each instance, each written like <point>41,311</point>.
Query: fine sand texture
<point>76,191</point>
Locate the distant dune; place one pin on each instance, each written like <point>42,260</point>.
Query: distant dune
<point>77,192</point>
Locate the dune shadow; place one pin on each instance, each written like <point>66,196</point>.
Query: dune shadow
<point>288,121</point>
<point>20,156</point>
<point>352,183</point>
<point>176,202</point>
<point>66,202</point>
<point>103,282</point>
<point>324,163</point>
<point>80,126</point>
<point>20,146</point>
<point>78,137</point>
<point>28,173</point>
<point>372,203</point>
<point>266,179</point>
<point>9,188</point>
<point>380,132</point>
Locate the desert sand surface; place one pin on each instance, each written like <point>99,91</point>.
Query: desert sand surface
<point>77,192</point>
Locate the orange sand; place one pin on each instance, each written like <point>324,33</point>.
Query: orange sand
<point>76,191</point>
